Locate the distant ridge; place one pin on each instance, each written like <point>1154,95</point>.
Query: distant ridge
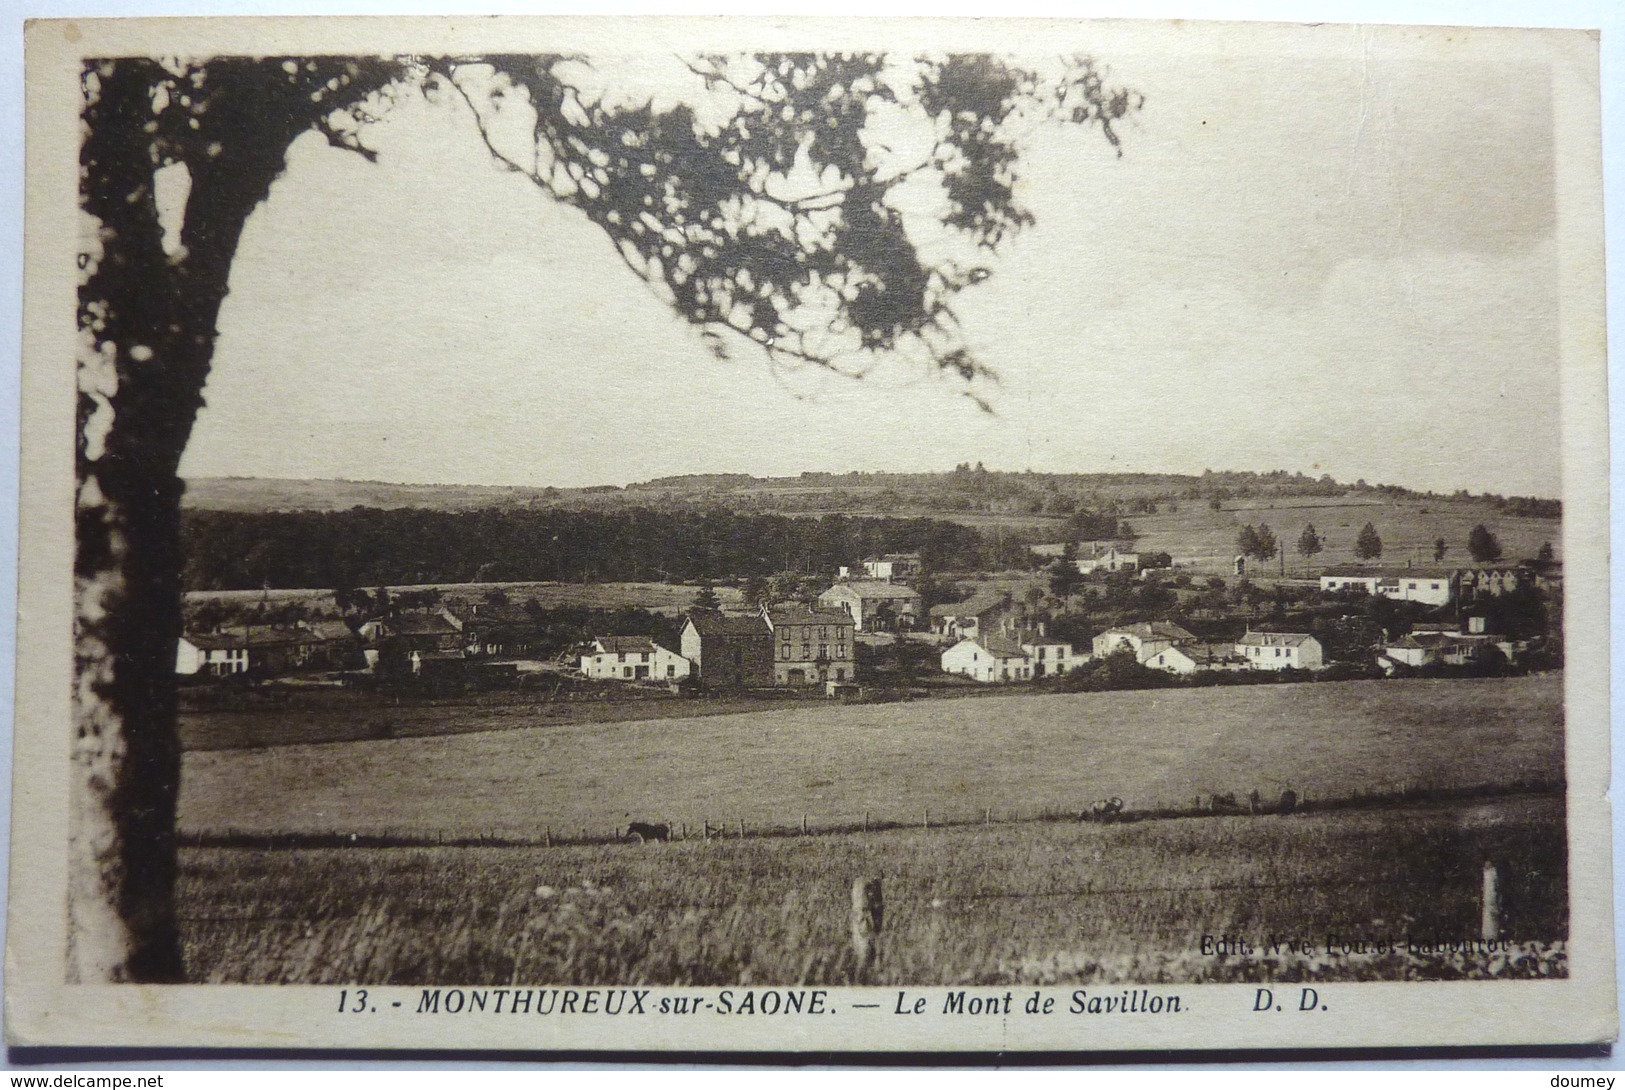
<point>254,494</point>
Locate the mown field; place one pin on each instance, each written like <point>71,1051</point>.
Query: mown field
<point>1037,903</point>
<point>956,758</point>
<point>1408,529</point>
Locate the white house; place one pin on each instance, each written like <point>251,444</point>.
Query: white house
<point>1281,651</point>
<point>1430,586</point>
<point>213,654</point>
<point>1142,639</point>
<point>1049,656</point>
<point>988,659</point>
<point>1188,658</point>
<point>887,568</point>
<point>632,658</point>
<point>875,605</point>
<point>1106,556</point>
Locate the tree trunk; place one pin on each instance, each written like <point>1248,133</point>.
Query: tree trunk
<point>147,320</point>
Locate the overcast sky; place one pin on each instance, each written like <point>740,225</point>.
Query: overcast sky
<point>1322,265</point>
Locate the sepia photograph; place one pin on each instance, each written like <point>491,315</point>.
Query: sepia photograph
<point>1008,534</point>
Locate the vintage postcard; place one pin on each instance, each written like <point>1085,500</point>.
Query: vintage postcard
<point>734,535</point>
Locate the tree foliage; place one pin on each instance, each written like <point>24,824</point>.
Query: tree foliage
<point>1368,545</point>
<point>1483,546</point>
<point>1310,542</point>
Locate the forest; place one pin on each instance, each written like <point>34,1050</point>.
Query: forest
<point>367,547</point>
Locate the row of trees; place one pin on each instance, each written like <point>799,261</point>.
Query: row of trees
<point>1259,542</point>
<point>369,547</point>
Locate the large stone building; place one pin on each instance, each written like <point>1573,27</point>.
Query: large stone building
<point>728,652</point>
<point>811,646</point>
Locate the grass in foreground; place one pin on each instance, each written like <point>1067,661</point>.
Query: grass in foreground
<point>1038,903</point>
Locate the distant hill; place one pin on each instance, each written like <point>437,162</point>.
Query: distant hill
<point>1033,503</point>
<point>258,494</point>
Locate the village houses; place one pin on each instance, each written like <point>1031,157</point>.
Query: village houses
<point>892,567</point>
<point>875,605</point>
<point>1105,556</point>
<point>632,658</point>
<point>1281,651</point>
<point>1188,658</point>
<point>263,650</point>
<point>1432,586</point>
<point>1143,639</point>
<point>1011,654</point>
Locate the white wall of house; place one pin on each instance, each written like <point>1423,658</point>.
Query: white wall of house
<point>659,664</point>
<point>971,659</point>
<point>1304,655</point>
<point>1052,657</point>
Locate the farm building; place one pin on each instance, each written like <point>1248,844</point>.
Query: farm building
<point>1280,651</point>
<point>727,652</point>
<point>988,659</point>
<point>1188,658</point>
<point>1049,655</point>
<point>875,605</point>
<point>1143,639</point>
<point>494,630</point>
<point>1105,556</point>
<point>1478,582</point>
<point>970,618</point>
<point>632,658</point>
<point>811,646</point>
<point>267,650</point>
<point>390,641</point>
<point>890,567</point>
<point>1430,586</point>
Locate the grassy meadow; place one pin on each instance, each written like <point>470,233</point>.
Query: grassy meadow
<point>1038,903</point>
<point>956,758</point>
<point>1205,540</point>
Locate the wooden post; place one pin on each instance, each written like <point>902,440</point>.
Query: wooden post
<point>867,917</point>
<point>803,824</point>
<point>549,836</point>
<point>741,828</point>
<point>866,821</point>
<point>927,824</point>
<point>987,815</point>
<point>1491,921</point>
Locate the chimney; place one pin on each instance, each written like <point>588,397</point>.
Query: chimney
<point>1041,631</point>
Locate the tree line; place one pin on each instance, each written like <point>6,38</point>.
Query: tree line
<point>371,547</point>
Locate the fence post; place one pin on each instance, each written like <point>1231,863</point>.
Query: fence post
<point>866,821</point>
<point>1491,921</point>
<point>550,836</point>
<point>867,918</point>
<point>927,823</point>
<point>803,824</point>
<point>987,815</point>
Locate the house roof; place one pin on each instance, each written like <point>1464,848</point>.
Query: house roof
<point>1151,630</point>
<point>329,630</point>
<point>1001,647</point>
<point>1203,654</point>
<point>1275,639</point>
<point>249,636</point>
<point>976,605</point>
<point>799,614</point>
<point>1030,637</point>
<point>873,588</point>
<point>1369,571</point>
<point>711,623</point>
<point>418,624</point>
<point>626,644</point>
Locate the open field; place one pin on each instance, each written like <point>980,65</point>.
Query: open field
<point>1040,903</point>
<point>953,757</point>
<point>1207,538</point>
